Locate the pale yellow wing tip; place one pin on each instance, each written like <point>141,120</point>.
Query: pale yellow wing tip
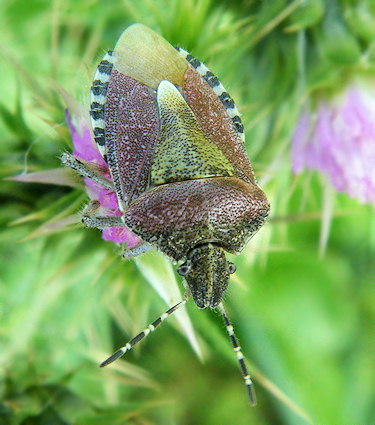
<point>136,28</point>
<point>144,55</point>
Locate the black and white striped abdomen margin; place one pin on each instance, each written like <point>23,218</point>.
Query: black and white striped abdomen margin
<point>218,88</point>
<point>98,98</point>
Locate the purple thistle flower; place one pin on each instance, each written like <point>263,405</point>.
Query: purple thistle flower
<point>85,149</point>
<point>338,140</point>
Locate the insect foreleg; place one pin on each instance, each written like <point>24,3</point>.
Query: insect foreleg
<point>85,170</point>
<point>102,222</point>
<point>137,250</point>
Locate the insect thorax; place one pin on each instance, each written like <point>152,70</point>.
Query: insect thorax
<point>176,217</point>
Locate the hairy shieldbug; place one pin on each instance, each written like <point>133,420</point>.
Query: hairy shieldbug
<point>174,144</point>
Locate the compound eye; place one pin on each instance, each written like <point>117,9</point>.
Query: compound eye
<point>231,268</point>
<point>184,269</point>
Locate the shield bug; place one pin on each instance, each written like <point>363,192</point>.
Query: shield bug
<point>174,144</point>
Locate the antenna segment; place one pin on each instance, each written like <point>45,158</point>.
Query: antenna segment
<point>239,355</point>
<point>150,328</point>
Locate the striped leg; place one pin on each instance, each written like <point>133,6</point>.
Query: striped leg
<point>102,222</point>
<point>240,357</point>
<point>86,170</point>
<point>137,250</point>
<point>120,352</point>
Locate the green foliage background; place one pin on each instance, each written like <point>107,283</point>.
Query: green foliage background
<point>305,321</point>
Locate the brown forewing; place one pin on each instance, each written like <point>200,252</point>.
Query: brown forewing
<point>216,123</point>
<point>131,130</point>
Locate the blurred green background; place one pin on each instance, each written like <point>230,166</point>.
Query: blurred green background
<point>302,300</point>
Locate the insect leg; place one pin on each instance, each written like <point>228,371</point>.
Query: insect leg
<point>90,220</point>
<point>137,250</point>
<point>86,170</point>
<point>150,328</point>
<point>102,222</point>
<point>239,355</point>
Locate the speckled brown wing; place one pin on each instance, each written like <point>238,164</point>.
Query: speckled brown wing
<point>215,121</point>
<point>126,122</point>
<point>131,131</point>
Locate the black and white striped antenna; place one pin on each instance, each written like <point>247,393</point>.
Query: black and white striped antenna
<point>152,326</point>
<point>237,350</point>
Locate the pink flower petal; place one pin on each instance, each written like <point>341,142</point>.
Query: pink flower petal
<point>340,142</point>
<point>121,235</point>
<point>85,149</point>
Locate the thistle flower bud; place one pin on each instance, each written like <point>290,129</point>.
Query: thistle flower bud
<point>361,20</point>
<point>338,140</point>
<point>339,45</point>
<point>309,13</point>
